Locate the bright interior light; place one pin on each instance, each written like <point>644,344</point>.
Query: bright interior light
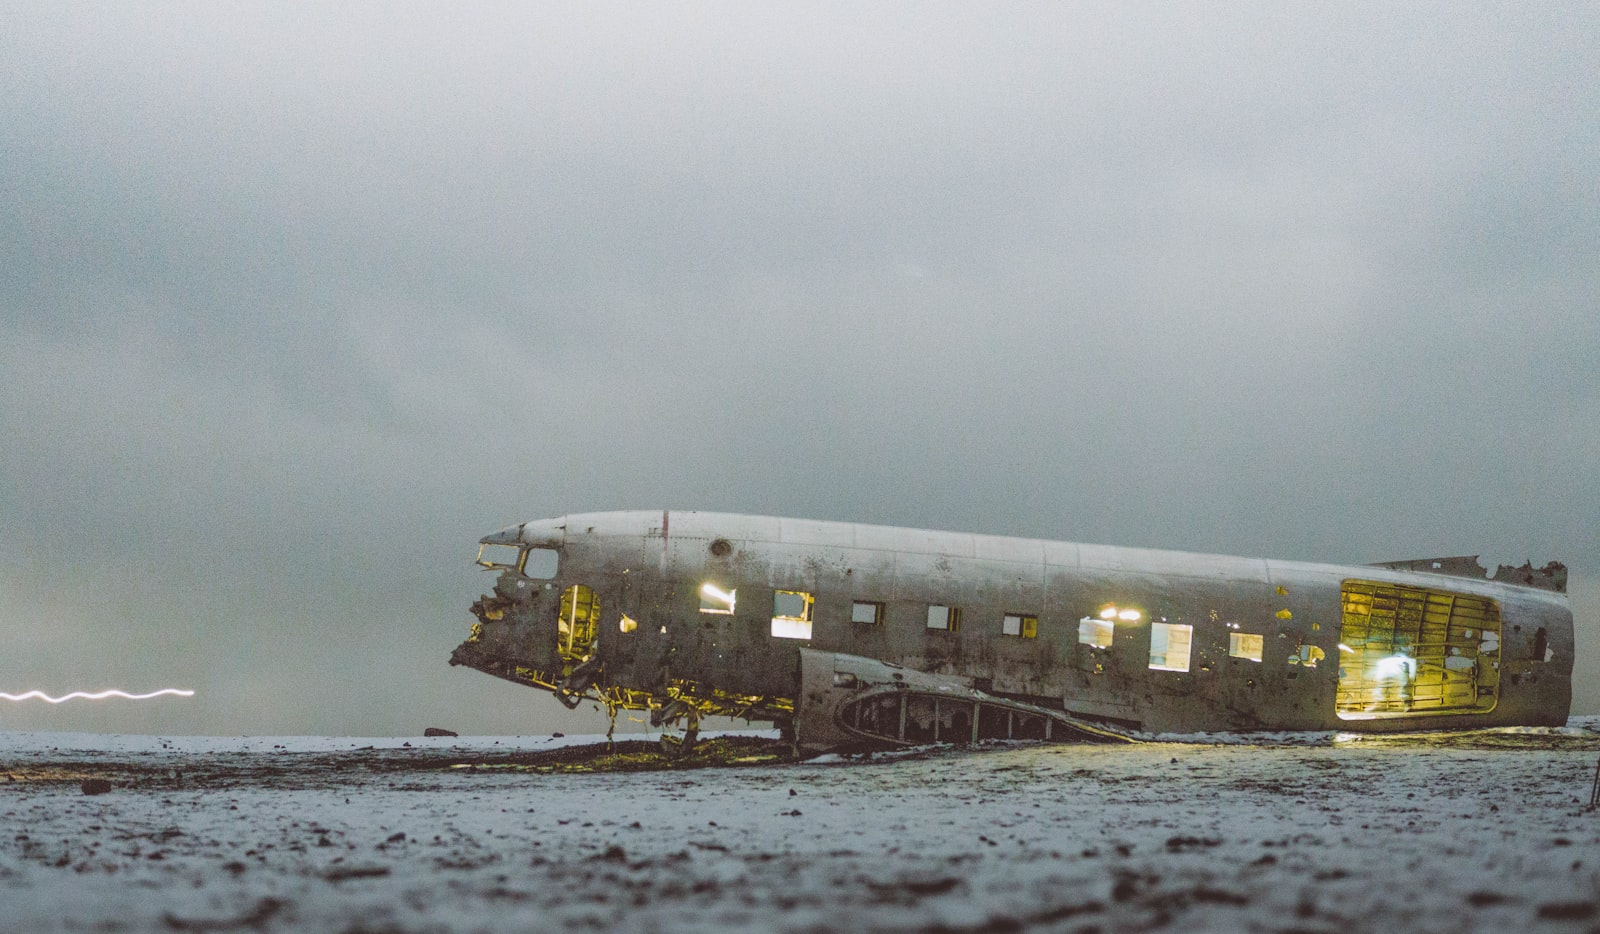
<point>1109,612</point>
<point>786,627</point>
<point>1395,666</point>
<point>102,695</point>
<point>1346,648</point>
<point>1129,616</point>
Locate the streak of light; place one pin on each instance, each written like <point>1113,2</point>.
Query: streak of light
<point>102,695</point>
<point>716,593</point>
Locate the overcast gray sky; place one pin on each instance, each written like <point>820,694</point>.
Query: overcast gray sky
<point>298,301</point>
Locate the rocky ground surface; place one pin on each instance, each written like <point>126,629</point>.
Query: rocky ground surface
<point>1465,832</point>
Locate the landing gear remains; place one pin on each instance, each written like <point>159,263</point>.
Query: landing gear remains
<point>680,727</point>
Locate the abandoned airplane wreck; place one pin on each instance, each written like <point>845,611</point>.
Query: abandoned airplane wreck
<point>857,636</point>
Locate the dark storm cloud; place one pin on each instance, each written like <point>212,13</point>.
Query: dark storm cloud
<point>299,302</point>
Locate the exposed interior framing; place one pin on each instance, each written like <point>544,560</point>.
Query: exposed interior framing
<point>1412,651</point>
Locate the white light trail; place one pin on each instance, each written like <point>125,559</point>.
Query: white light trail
<point>716,593</point>
<point>102,695</point>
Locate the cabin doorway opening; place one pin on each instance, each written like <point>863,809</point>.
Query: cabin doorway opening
<point>1412,651</point>
<point>578,626</point>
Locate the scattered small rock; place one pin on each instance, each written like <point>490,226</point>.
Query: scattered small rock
<point>341,873</point>
<point>932,886</point>
<point>256,917</point>
<point>1569,911</point>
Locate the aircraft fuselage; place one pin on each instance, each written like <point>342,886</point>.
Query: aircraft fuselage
<point>712,611</point>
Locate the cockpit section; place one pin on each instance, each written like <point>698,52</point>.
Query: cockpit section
<point>536,563</point>
<point>542,627</point>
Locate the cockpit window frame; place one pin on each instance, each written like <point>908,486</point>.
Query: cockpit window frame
<point>552,563</point>
<point>548,560</point>
<point>488,563</point>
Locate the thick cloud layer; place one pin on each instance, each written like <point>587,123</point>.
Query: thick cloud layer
<point>298,302</point>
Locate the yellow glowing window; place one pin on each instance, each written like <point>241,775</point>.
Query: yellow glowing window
<point>1015,624</point>
<point>944,617</point>
<point>714,599</point>
<point>1169,646</point>
<point>866,613</point>
<point>1245,645</point>
<point>1408,651</point>
<point>791,614</point>
<point>1096,632</point>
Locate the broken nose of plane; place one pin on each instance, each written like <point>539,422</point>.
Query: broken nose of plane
<point>510,535</point>
<point>545,533</point>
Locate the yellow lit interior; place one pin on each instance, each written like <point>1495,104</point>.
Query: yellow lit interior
<point>1095,632</point>
<point>1169,646</point>
<point>1246,645</point>
<point>1015,624</point>
<point>578,625</point>
<point>1408,651</point>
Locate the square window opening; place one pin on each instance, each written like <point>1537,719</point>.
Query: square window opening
<point>714,599</point>
<point>866,613</point>
<point>540,564</point>
<point>1169,646</point>
<point>1016,624</point>
<point>947,618</point>
<point>1096,632</point>
<point>1246,645</point>
<point>791,614</point>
